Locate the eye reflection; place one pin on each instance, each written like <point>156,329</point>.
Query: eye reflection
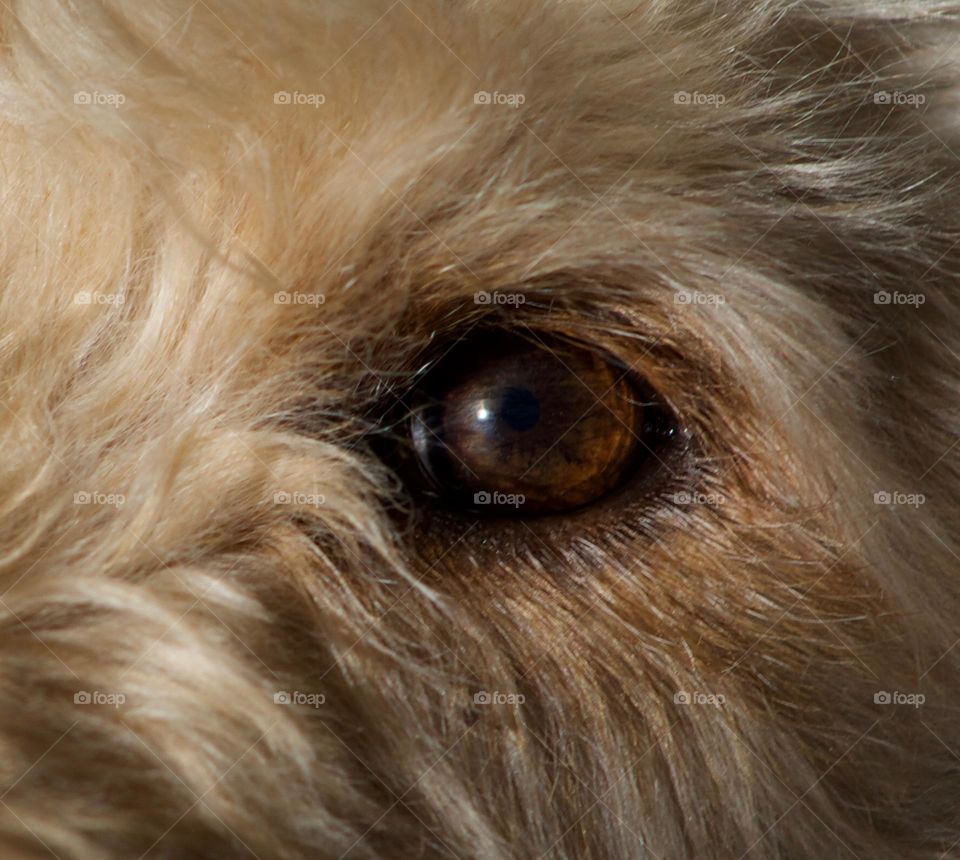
<point>508,425</point>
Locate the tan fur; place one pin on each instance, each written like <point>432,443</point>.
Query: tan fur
<point>206,404</point>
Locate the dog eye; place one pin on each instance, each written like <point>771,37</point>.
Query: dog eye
<point>514,425</point>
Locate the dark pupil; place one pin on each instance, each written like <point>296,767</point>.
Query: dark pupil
<point>519,408</point>
<point>555,424</point>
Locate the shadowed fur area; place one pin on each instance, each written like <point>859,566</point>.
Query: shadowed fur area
<point>231,233</point>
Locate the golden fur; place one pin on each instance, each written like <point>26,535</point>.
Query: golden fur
<point>192,521</point>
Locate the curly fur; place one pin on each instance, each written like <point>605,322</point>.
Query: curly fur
<point>146,361</point>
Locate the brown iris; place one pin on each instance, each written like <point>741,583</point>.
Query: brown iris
<point>523,425</point>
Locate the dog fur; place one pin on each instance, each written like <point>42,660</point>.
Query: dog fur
<point>193,519</point>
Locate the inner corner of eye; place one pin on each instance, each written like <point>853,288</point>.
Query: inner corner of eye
<point>523,425</point>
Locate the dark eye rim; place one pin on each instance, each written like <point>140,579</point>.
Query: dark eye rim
<point>394,443</point>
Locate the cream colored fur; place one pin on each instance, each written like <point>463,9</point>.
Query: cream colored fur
<point>157,197</point>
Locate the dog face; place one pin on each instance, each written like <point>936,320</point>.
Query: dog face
<point>271,584</point>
